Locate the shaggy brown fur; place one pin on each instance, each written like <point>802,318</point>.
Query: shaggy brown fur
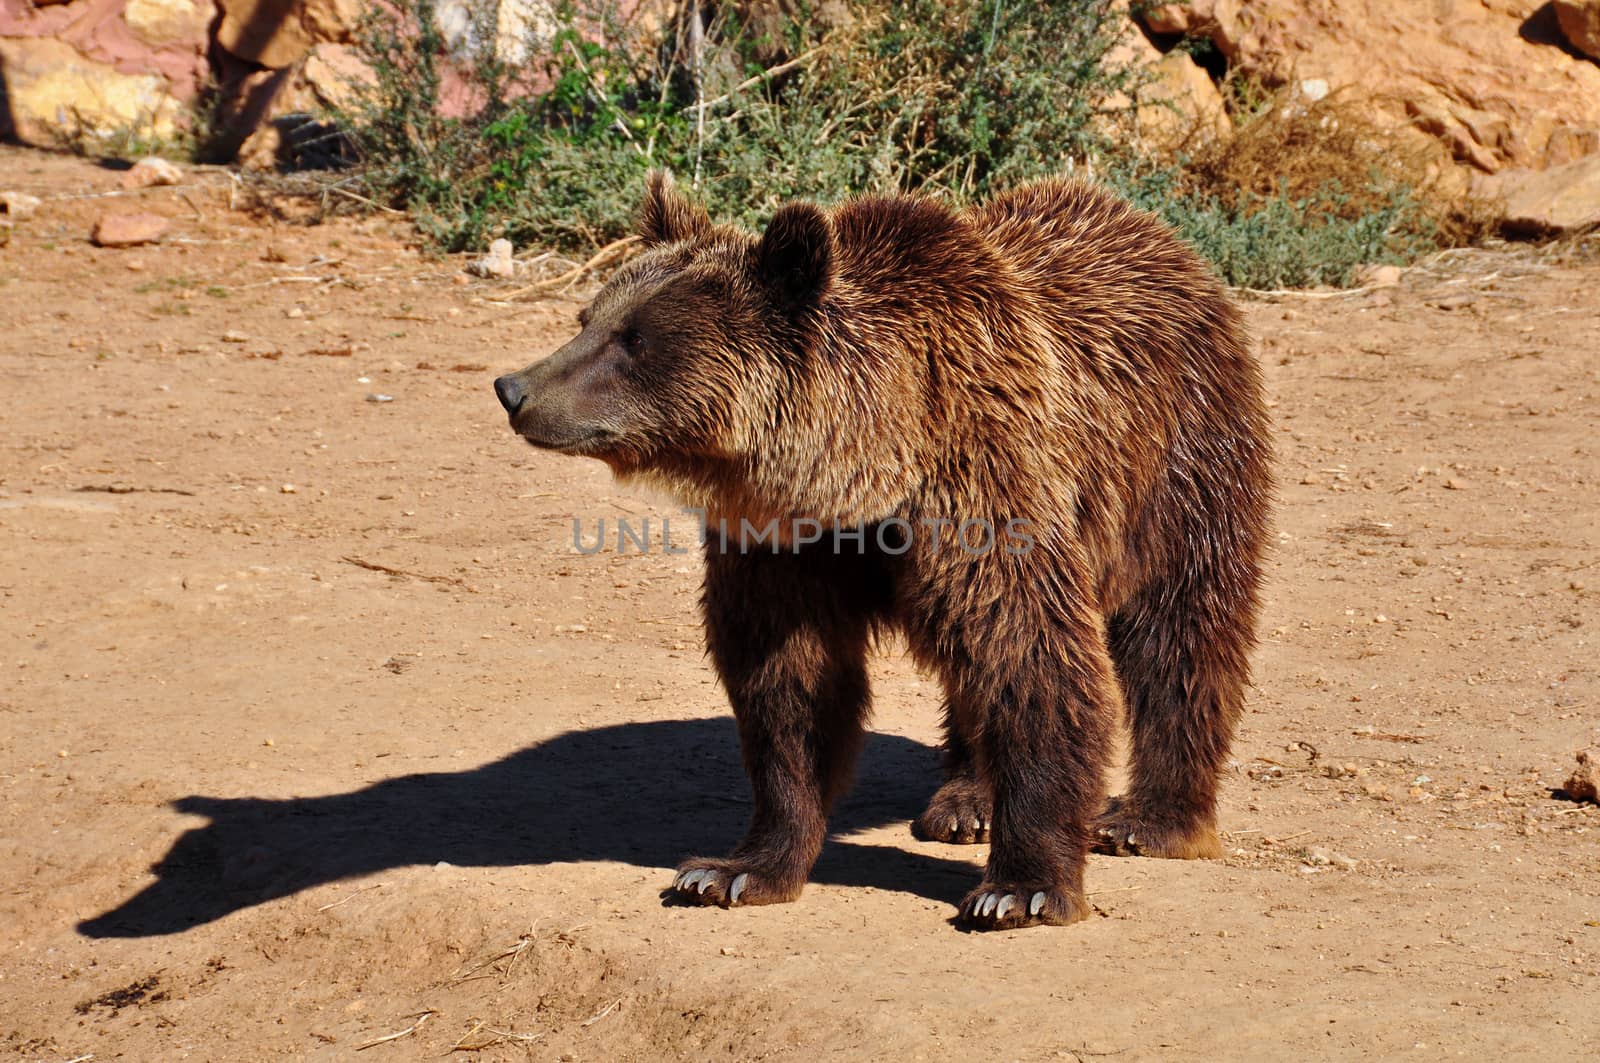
<point>1053,357</point>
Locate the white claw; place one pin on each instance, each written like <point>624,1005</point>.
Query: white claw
<point>739,883</point>
<point>677,880</point>
<point>955,825</point>
<point>1008,902</point>
<point>1035,905</point>
<point>690,879</point>
<point>989,901</point>
<point>710,879</point>
<point>1131,841</point>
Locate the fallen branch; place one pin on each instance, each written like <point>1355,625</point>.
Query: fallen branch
<point>129,489</point>
<point>362,199</point>
<point>597,259</point>
<point>756,79</point>
<point>408,1031</point>
<point>1293,293</point>
<point>602,1013</point>
<point>373,566</point>
<point>353,896</point>
<point>495,1037</point>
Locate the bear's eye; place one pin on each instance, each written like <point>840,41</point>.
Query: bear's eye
<point>632,341</point>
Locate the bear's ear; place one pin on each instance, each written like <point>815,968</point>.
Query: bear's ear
<point>666,216</point>
<point>795,257</point>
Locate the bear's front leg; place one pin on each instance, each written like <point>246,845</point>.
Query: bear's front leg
<point>1030,681</point>
<point>788,635</point>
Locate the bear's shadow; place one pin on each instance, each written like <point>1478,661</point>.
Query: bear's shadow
<point>647,794</point>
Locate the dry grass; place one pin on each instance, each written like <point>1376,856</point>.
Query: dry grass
<point>1336,156</point>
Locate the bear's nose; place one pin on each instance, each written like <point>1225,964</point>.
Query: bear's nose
<point>509,392</point>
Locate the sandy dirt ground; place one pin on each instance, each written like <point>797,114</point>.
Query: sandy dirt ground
<point>316,732</point>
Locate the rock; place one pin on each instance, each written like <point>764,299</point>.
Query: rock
<point>332,21</point>
<point>1561,199</point>
<point>1584,783</point>
<point>497,263</point>
<point>1375,276</point>
<point>332,74</point>
<point>1192,104</point>
<point>1215,20</point>
<point>150,171</point>
<point>96,68</point>
<point>1481,77</point>
<point>16,206</point>
<point>1179,104</point>
<point>276,33</point>
<point>161,22</point>
<point>54,93</point>
<point>518,23</point>
<point>268,32</point>
<point>1580,24</point>
<point>129,230</point>
<point>273,113</point>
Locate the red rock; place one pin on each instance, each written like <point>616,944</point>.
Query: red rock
<point>150,171</point>
<point>1580,24</point>
<point>1480,76</point>
<point>1561,199</point>
<point>129,230</point>
<point>276,33</point>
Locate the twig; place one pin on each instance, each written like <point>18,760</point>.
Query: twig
<point>523,944</point>
<point>1291,293</point>
<point>408,1031</point>
<point>286,280</point>
<point>373,566</point>
<point>697,40</point>
<point>599,100</point>
<point>1119,889</point>
<point>755,79</point>
<point>362,199</point>
<point>496,1037</point>
<point>599,257</point>
<point>353,896</point>
<point>129,489</point>
<point>602,1013</point>
<point>199,215</point>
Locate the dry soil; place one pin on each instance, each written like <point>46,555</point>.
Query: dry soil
<point>316,731</point>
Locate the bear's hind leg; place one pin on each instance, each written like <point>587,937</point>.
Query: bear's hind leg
<point>960,811</point>
<point>788,634</point>
<point>1183,661</point>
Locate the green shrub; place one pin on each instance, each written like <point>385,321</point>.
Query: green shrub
<point>1278,241</point>
<point>949,97</point>
<point>954,97</point>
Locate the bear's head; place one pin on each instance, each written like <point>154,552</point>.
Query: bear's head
<point>685,358</point>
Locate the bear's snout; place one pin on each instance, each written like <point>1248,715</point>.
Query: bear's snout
<point>508,389</point>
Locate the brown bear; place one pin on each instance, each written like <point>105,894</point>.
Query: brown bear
<point>1053,373</point>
